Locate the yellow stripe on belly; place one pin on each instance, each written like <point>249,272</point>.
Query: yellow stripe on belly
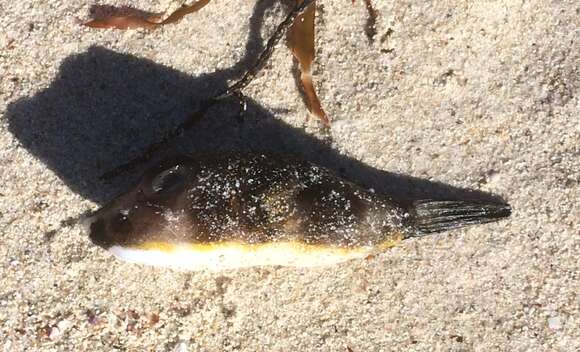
<point>232,255</point>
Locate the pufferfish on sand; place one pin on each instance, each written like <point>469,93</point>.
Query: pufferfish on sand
<point>238,211</point>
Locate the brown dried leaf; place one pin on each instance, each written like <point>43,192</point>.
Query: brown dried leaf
<point>185,10</point>
<point>301,39</point>
<point>153,319</point>
<point>122,22</point>
<point>133,314</point>
<point>135,18</point>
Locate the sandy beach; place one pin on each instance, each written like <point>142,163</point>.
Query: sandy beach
<point>448,100</point>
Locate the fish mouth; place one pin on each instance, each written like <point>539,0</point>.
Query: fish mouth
<point>96,228</point>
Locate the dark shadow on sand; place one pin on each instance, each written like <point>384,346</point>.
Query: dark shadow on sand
<point>103,108</point>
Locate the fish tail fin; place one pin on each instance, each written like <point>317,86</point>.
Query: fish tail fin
<point>431,216</point>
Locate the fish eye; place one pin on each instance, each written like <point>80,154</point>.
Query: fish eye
<point>121,223</point>
<point>168,180</point>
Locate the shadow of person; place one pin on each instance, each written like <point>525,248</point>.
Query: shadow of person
<point>103,108</point>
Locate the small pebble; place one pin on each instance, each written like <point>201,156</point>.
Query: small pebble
<point>181,347</point>
<point>555,323</point>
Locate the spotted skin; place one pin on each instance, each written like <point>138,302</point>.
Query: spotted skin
<point>246,200</point>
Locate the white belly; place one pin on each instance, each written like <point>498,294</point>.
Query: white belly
<point>216,257</point>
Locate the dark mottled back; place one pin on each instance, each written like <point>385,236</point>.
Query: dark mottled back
<point>254,199</point>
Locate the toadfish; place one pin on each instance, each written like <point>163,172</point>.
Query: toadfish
<point>239,211</point>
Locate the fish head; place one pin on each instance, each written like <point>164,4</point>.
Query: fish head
<point>146,210</point>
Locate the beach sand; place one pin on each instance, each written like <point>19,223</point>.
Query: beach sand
<point>448,95</point>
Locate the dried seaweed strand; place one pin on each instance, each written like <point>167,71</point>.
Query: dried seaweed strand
<point>301,38</point>
<point>151,22</point>
<point>233,90</point>
<point>267,52</point>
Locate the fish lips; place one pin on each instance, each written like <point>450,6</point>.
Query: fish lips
<point>96,227</point>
